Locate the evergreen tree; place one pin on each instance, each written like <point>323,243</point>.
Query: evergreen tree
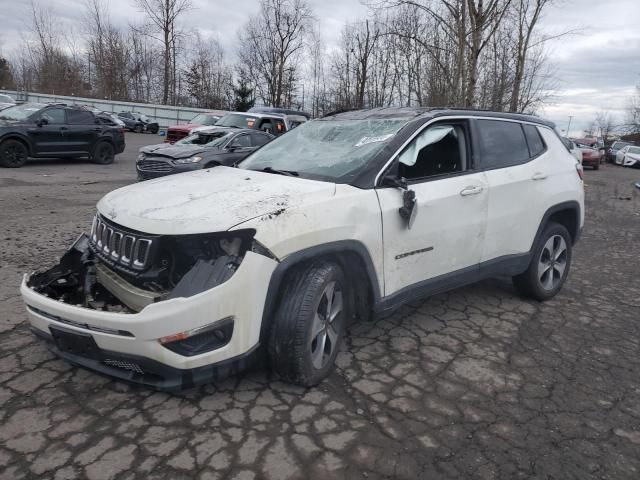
<point>243,93</point>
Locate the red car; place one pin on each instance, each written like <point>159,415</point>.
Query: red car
<point>592,156</point>
<point>178,132</point>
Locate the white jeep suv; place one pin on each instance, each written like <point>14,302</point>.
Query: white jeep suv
<point>183,278</point>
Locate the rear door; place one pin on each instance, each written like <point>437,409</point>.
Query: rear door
<point>82,131</point>
<point>518,166</point>
<point>48,138</point>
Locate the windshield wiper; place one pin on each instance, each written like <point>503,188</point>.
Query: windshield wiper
<point>289,173</point>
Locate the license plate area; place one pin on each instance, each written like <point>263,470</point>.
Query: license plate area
<point>75,343</point>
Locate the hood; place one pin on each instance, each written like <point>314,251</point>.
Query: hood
<point>184,127</point>
<point>174,151</point>
<point>211,200</point>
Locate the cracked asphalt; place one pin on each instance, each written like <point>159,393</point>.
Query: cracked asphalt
<point>475,383</point>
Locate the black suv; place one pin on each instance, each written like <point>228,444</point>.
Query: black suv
<point>55,130</point>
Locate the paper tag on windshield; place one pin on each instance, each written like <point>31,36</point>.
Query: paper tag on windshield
<point>367,140</point>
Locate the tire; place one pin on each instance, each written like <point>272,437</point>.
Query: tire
<point>596,166</point>
<point>154,129</point>
<point>555,241</point>
<point>13,154</point>
<point>138,128</point>
<point>104,154</point>
<point>302,345</point>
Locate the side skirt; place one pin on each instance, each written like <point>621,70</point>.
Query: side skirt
<point>507,265</point>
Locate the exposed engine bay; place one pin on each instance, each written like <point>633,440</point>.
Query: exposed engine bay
<point>123,271</point>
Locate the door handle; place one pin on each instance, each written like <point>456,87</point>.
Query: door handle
<point>539,176</point>
<point>471,190</point>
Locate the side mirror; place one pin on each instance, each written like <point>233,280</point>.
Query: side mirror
<point>409,208</point>
<point>231,148</point>
<point>42,121</point>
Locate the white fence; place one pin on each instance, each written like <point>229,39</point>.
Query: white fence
<point>165,115</point>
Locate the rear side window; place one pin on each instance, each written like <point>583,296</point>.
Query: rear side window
<point>502,144</point>
<point>79,117</point>
<point>536,145</point>
<point>258,139</point>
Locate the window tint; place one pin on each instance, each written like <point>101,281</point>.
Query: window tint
<point>241,141</point>
<point>536,145</point>
<point>79,117</point>
<point>53,115</point>
<point>502,143</point>
<point>258,139</point>
<point>438,150</point>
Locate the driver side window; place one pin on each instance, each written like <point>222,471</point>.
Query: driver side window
<point>241,141</point>
<point>53,116</point>
<point>440,149</point>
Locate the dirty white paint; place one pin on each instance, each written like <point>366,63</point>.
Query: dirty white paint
<point>211,200</point>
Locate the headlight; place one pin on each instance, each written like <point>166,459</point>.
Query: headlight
<point>194,159</point>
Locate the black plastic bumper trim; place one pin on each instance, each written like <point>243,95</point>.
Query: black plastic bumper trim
<point>156,375</point>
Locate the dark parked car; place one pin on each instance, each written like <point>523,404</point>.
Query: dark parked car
<point>204,149</point>
<point>54,130</point>
<point>138,122</point>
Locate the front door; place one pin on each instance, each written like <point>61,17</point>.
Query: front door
<point>446,235</point>
<point>49,136</point>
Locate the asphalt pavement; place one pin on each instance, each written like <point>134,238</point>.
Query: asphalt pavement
<point>474,383</point>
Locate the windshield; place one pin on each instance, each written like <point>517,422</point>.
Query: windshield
<point>203,119</point>
<point>326,149</point>
<point>20,112</point>
<point>235,120</point>
<point>633,150</point>
<point>212,139</point>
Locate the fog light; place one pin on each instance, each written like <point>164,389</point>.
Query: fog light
<point>201,339</point>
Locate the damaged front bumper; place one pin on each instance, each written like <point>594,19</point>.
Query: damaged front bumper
<point>137,346</point>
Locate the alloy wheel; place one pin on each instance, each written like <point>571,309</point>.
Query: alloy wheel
<point>325,328</point>
<point>552,262</point>
<point>14,155</point>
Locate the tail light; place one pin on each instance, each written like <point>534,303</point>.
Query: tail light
<point>580,171</point>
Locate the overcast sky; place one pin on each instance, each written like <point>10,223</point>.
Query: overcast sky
<point>595,69</point>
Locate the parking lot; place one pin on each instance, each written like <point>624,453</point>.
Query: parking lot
<point>475,383</point>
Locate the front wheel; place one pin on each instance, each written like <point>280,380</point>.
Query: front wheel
<point>154,129</point>
<point>138,128</point>
<point>549,265</point>
<point>309,324</point>
<point>104,154</point>
<point>13,154</point>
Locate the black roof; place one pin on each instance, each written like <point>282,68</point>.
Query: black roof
<point>411,113</point>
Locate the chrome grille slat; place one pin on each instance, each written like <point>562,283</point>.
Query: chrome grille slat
<point>148,165</point>
<point>124,248</point>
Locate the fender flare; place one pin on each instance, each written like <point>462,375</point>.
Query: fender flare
<point>570,205</point>
<point>296,258</point>
<point>18,136</point>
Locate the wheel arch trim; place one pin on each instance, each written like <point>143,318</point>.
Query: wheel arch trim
<point>299,257</point>
<point>21,138</point>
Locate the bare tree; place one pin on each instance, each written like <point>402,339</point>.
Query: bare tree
<point>270,44</point>
<point>163,17</point>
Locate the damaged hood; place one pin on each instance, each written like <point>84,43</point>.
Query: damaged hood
<point>211,200</point>
<point>175,151</point>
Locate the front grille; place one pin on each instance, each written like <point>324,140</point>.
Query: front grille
<point>123,365</point>
<point>115,245</point>
<point>154,166</point>
<point>175,135</point>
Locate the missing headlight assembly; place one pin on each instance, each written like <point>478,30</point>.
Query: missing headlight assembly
<point>123,270</point>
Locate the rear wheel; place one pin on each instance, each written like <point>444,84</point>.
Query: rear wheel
<point>13,154</point>
<point>104,153</point>
<point>309,324</point>
<point>154,129</point>
<point>549,265</point>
